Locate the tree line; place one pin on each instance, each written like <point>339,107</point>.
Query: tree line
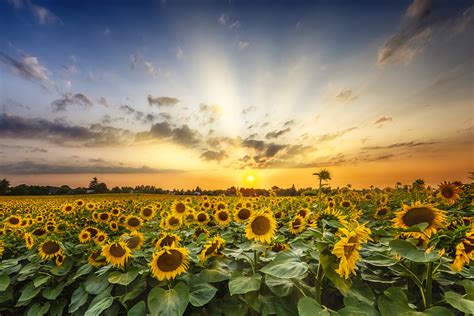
<point>97,187</point>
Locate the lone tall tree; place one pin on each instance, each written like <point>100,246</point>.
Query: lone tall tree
<point>322,175</point>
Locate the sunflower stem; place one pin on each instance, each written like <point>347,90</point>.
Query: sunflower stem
<point>255,259</point>
<point>319,279</point>
<point>417,281</point>
<point>429,284</point>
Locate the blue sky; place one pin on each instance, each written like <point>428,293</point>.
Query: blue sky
<point>199,89</point>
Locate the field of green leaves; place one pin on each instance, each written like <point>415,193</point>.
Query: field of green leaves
<point>398,251</point>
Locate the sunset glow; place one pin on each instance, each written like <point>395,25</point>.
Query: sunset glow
<point>196,93</point>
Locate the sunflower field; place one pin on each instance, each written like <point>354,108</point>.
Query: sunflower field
<point>398,251</point>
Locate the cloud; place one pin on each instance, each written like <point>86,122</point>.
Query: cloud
<point>16,127</point>
<point>332,136</point>
<point>211,112</point>
<point>28,149</point>
<point>289,123</point>
<point>382,120</point>
<point>210,155</point>
<point>243,45</point>
<point>141,116</point>
<point>400,145</point>
<point>223,19</point>
<point>134,60</point>
<point>346,96</point>
<point>420,23</point>
<point>466,19</point>
<point>103,101</point>
<point>71,99</point>
<point>249,110</point>
<point>150,68</point>
<point>180,53</point>
<point>276,134</point>
<point>29,167</point>
<point>162,101</point>
<point>182,135</point>
<point>28,68</point>
<point>43,15</point>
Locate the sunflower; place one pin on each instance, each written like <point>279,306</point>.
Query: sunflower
<point>329,214</point>
<point>169,262</point>
<point>419,213</point>
<point>178,208</point>
<point>134,240</point>
<point>346,204</point>
<point>84,236</point>
<point>116,253</point>
<point>279,247</point>
<point>168,240</point>
<point>200,230</point>
<point>304,213</point>
<point>133,222</point>
<point>464,252</point>
<point>242,214</point>
<point>2,248</point>
<point>448,192</point>
<point>261,227</point>
<point>211,248</point>
<point>79,203</point>
<point>115,212</point>
<point>362,232</point>
<point>114,226</point>
<point>29,240</point>
<point>347,250</point>
<point>382,212</point>
<point>202,218</point>
<point>38,232</point>
<point>49,249</point>
<point>68,208</point>
<point>59,260</point>
<point>147,213</point>
<point>13,221</point>
<point>96,260</point>
<point>100,238</point>
<point>92,230</point>
<point>171,222</point>
<point>297,225</point>
<point>222,217</point>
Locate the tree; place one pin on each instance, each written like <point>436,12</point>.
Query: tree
<point>322,175</point>
<point>4,186</point>
<point>93,184</point>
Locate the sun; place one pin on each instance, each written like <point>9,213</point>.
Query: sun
<point>250,179</point>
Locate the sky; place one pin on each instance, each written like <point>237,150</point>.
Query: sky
<point>184,93</point>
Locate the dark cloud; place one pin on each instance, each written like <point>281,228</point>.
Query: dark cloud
<point>422,21</point>
<point>400,145</point>
<point>103,101</point>
<point>28,68</point>
<point>60,132</point>
<point>211,112</point>
<point>29,167</point>
<point>28,149</point>
<point>346,96</point>
<point>249,109</point>
<point>382,120</point>
<point>289,123</point>
<point>333,136</point>
<point>141,116</point>
<point>210,155</point>
<point>71,99</point>
<point>182,135</point>
<point>162,101</point>
<point>276,134</point>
